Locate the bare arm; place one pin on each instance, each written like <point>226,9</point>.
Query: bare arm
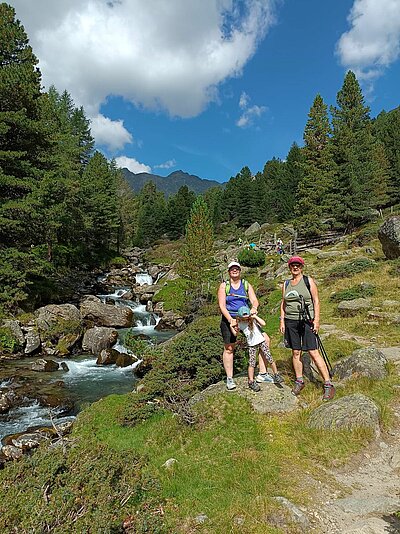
<point>282,318</point>
<point>314,294</point>
<point>253,299</point>
<point>260,321</point>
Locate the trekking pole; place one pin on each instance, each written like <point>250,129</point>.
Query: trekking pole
<point>307,317</point>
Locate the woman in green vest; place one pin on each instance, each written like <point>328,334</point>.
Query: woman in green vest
<point>299,299</point>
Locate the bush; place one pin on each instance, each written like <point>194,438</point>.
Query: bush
<point>352,293</point>
<point>251,258</point>
<point>345,270</point>
<point>117,262</point>
<point>8,343</point>
<point>179,369</point>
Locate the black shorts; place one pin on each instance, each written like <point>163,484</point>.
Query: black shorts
<point>299,335</point>
<point>227,334</point>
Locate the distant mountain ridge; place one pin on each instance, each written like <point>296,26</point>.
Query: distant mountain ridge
<point>170,184</point>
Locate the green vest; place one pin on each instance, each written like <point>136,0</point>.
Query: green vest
<point>292,300</point>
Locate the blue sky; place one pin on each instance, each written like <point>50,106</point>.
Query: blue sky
<point>209,86</point>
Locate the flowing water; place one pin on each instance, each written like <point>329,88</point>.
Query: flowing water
<point>85,382</point>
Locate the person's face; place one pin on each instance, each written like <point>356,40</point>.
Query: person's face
<point>295,268</point>
<point>234,272</point>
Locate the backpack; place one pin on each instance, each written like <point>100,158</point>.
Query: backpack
<point>245,285</point>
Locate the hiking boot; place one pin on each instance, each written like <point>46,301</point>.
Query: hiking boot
<point>298,386</point>
<point>230,384</point>
<point>264,378</point>
<point>329,392</point>
<point>254,386</point>
<point>278,379</point>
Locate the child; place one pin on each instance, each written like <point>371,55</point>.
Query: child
<point>249,325</point>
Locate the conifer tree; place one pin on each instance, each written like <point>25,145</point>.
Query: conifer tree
<point>362,185</point>
<point>151,215</point>
<point>178,211</point>
<point>386,128</point>
<point>197,254</point>
<point>314,193</point>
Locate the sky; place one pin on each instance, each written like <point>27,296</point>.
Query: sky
<point>210,86</point>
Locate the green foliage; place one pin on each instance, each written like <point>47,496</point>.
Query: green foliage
<point>196,257</point>
<point>251,258</point>
<point>178,211</point>
<point>63,493</point>
<point>118,262</point>
<point>354,292</point>
<point>173,295</point>
<point>138,346</point>
<point>364,236</point>
<point>151,215</point>
<point>61,328</point>
<point>8,343</point>
<point>395,267</point>
<point>185,365</point>
<point>346,270</point>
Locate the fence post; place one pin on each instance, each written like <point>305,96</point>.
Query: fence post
<point>295,242</point>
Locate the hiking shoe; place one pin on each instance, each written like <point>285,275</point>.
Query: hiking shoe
<point>254,386</point>
<point>298,386</point>
<point>329,392</point>
<point>278,379</point>
<point>264,378</point>
<point>230,384</point>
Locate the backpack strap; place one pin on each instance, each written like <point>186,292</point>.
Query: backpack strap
<point>245,285</point>
<point>308,286</point>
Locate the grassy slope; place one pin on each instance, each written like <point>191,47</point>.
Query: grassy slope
<point>229,466</point>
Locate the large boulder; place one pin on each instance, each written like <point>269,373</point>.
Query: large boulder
<point>57,319</point>
<point>107,357</point>
<point>368,362</point>
<point>389,236</point>
<point>386,317</point>
<point>43,365</point>
<point>32,340</point>
<point>252,229</point>
<point>15,330</point>
<point>350,308</point>
<point>92,309</point>
<point>348,412</point>
<point>98,338</point>
<point>171,321</point>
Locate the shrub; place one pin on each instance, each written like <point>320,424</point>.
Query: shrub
<point>61,328</point>
<point>118,262</point>
<point>345,270</point>
<point>354,292</point>
<point>8,343</point>
<point>180,368</point>
<point>251,258</point>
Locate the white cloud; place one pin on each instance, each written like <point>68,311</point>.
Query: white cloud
<point>111,134</point>
<point>169,55</point>
<point>373,41</point>
<point>166,165</point>
<point>250,113</point>
<point>132,164</point>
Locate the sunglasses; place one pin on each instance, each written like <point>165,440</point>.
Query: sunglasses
<point>297,265</point>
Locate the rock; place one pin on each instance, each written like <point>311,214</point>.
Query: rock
<point>296,515</point>
<point>282,269</point>
<point>270,400</point>
<point>328,254</point>
<point>66,343</point>
<point>389,236</point>
<point>391,353</point>
<point>159,308</point>
<point>350,308</point>
<point>369,505</point>
<point>149,306</point>
<point>170,321</point>
<point>64,366</point>
<point>106,314</point>
<point>124,360</point>
<point>107,357</point>
<point>16,331</point>
<point>169,463</point>
<point>201,518</point>
<point>98,338</point>
<point>32,340</point>
<point>145,297</point>
<point>5,403</point>
<point>28,441</point>
<point>372,525</point>
<point>313,251</point>
<point>368,362</point>
<point>389,318</point>
<point>56,316</point>
<point>11,452</point>
<point>391,304</point>
<point>395,460</point>
<point>348,412</point>
<point>370,250</point>
<point>64,428</point>
<point>43,365</point>
<point>252,229</point>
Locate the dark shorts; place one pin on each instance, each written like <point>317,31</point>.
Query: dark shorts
<point>299,335</point>
<point>227,334</point>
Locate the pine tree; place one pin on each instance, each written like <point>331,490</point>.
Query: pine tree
<point>386,128</point>
<point>315,189</point>
<point>151,215</point>
<point>178,211</point>
<point>359,175</point>
<point>197,254</point>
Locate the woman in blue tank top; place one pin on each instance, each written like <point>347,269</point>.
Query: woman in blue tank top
<point>229,303</point>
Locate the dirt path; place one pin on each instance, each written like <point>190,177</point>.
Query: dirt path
<point>370,482</point>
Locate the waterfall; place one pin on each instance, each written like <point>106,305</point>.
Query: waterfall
<point>144,279</point>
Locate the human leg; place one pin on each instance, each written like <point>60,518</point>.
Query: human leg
<point>261,364</point>
<point>250,372</point>
<point>227,358</point>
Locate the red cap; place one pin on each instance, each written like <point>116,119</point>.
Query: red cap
<point>296,259</point>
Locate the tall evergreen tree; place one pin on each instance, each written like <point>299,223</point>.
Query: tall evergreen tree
<point>362,184</point>
<point>197,254</point>
<point>239,198</point>
<point>178,211</point>
<point>151,214</point>
<point>214,199</point>
<point>315,189</point>
<point>386,128</point>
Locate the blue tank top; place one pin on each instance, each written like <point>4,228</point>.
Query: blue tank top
<point>235,299</point>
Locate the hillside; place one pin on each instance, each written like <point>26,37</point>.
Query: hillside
<point>170,184</point>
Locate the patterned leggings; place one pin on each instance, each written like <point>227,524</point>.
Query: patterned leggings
<point>263,347</point>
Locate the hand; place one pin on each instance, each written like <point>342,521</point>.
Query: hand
<point>282,326</point>
<point>315,327</point>
<point>234,329</point>
<point>253,311</point>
